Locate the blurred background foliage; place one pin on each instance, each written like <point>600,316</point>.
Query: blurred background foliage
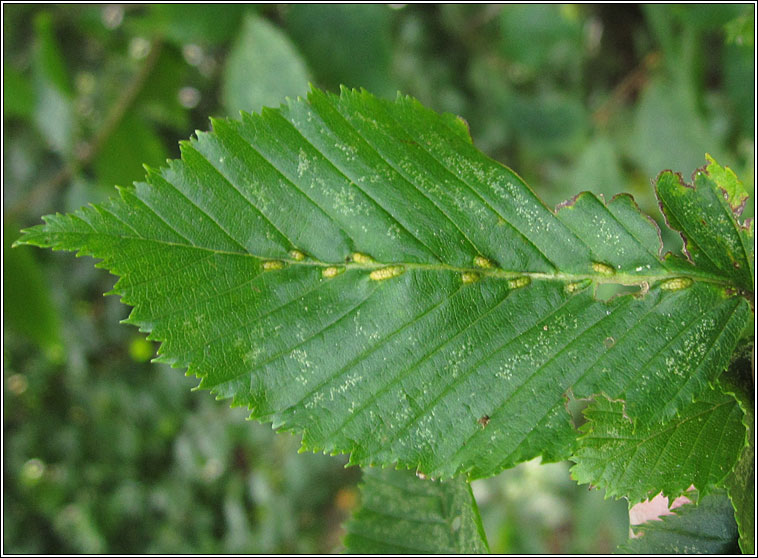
<point>105,452</point>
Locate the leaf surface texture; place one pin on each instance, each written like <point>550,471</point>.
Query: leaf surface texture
<point>705,528</point>
<point>403,514</point>
<point>356,270</point>
<point>698,447</point>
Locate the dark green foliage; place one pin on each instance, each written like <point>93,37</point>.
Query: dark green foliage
<point>404,514</point>
<point>607,98</point>
<point>215,256</point>
<point>707,528</point>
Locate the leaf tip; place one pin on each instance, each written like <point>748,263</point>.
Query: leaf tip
<point>726,180</point>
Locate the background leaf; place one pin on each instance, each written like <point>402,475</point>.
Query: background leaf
<point>193,23</point>
<point>403,514</point>
<point>345,44</point>
<point>262,68</point>
<point>740,484</point>
<point>18,94</point>
<point>33,315</point>
<point>132,145</point>
<point>534,508</point>
<point>668,133</point>
<point>53,107</point>
<point>707,528</point>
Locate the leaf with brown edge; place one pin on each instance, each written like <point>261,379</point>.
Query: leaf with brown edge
<point>705,214</point>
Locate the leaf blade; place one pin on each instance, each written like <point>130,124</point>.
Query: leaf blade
<point>403,514</point>
<point>740,484</point>
<point>705,215</point>
<point>446,339</point>
<point>699,447</point>
<point>707,528</point>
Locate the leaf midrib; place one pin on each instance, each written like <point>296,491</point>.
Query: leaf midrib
<point>625,279</point>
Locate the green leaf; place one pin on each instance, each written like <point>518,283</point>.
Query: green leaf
<point>262,68</point>
<point>740,484</point>
<point>132,144</point>
<point>598,168</point>
<point>668,131</point>
<point>540,35</point>
<point>706,528</point>
<point>191,23</point>
<point>18,95</point>
<point>54,110</point>
<point>741,29</point>
<point>355,270</point>
<point>345,44</point>
<point>704,215</point>
<point>727,181</point>
<point>27,306</point>
<point>741,488</point>
<point>699,447</point>
<point>403,514</point>
<point>158,99</point>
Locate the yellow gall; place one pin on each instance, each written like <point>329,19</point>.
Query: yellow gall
<point>386,272</point>
<point>676,284</point>
<point>469,277</point>
<point>272,265</point>
<point>360,258</point>
<point>602,269</point>
<point>484,263</point>
<point>332,271</point>
<point>518,282</point>
<point>577,286</point>
<point>297,255</point>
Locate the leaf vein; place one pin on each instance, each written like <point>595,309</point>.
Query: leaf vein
<point>472,189</point>
<point>293,183</point>
<point>388,163</point>
<point>345,369</point>
<point>341,171</point>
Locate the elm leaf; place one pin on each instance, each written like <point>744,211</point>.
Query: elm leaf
<point>698,447</point>
<point>403,514</point>
<point>355,270</point>
<point>705,528</point>
<point>705,214</point>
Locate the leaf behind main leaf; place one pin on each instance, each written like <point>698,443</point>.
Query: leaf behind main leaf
<point>698,447</point>
<point>403,514</point>
<point>740,484</point>
<point>355,270</point>
<point>707,528</point>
